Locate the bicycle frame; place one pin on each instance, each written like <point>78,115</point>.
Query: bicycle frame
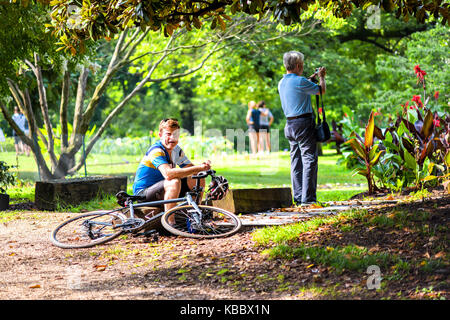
<point>202,221</point>
<point>186,200</point>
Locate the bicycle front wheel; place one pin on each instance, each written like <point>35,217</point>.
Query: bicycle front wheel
<point>89,229</point>
<point>211,223</point>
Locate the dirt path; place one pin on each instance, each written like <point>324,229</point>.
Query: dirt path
<point>172,268</point>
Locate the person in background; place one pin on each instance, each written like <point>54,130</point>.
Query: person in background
<point>19,119</point>
<point>265,121</point>
<point>295,94</point>
<point>252,119</point>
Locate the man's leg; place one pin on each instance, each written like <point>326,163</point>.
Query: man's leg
<point>171,191</point>
<point>296,171</point>
<point>308,147</point>
<point>193,182</point>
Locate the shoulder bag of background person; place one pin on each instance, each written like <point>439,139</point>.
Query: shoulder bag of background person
<point>322,128</point>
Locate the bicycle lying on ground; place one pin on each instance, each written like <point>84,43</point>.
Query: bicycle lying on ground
<point>192,219</point>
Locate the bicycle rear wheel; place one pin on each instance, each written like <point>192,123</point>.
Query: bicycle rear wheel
<point>89,229</point>
<point>215,222</point>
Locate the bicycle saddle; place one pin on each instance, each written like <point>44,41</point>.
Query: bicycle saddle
<point>122,197</point>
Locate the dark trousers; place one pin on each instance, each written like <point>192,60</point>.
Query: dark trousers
<point>304,158</point>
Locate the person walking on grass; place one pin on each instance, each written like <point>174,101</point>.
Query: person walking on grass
<point>295,95</point>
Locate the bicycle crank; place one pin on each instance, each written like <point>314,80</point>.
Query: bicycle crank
<point>132,224</point>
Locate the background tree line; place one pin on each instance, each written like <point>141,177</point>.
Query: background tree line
<point>124,85</point>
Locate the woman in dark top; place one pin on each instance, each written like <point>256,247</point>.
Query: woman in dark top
<point>253,125</point>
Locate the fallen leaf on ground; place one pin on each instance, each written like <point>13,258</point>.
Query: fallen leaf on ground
<point>100,267</point>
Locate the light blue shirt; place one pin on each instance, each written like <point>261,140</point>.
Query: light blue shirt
<point>264,120</point>
<point>295,94</point>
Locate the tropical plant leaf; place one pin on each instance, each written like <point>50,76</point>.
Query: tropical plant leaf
<point>410,161</point>
<point>427,128</point>
<point>410,126</point>
<point>368,136</point>
<point>375,159</point>
<point>357,147</point>
<point>360,171</point>
<point>408,145</point>
<point>378,133</point>
<point>426,151</point>
<point>447,159</point>
<point>390,145</point>
<point>373,151</point>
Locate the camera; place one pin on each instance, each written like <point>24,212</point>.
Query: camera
<point>313,78</point>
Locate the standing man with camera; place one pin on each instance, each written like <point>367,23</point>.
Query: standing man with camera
<point>295,94</point>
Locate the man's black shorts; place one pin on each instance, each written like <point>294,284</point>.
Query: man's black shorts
<point>156,191</point>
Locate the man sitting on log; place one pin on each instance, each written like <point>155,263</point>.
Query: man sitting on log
<point>157,176</point>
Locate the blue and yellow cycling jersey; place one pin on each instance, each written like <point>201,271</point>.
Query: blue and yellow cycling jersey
<point>147,173</point>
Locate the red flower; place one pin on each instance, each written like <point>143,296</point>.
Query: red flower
<point>437,122</point>
<point>419,72</point>
<point>320,110</point>
<point>436,95</point>
<point>345,115</point>
<point>416,69</point>
<point>417,100</point>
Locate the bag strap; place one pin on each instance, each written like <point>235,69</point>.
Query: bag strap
<point>323,109</point>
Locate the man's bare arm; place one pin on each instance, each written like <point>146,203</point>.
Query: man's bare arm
<point>178,173</point>
<point>322,83</point>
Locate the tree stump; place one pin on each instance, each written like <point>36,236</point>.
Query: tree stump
<point>68,192</point>
<point>255,200</point>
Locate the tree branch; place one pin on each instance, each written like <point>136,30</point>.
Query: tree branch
<point>77,131</point>
<point>63,109</point>
<point>44,109</point>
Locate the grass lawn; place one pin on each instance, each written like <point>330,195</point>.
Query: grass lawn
<point>242,171</point>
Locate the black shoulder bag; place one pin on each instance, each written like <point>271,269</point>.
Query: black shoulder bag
<point>322,128</point>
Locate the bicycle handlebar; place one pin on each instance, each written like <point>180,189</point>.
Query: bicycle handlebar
<point>204,174</point>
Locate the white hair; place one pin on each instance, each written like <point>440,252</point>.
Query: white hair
<point>291,59</point>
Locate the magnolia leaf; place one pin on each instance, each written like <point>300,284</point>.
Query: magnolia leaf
<point>368,137</point>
